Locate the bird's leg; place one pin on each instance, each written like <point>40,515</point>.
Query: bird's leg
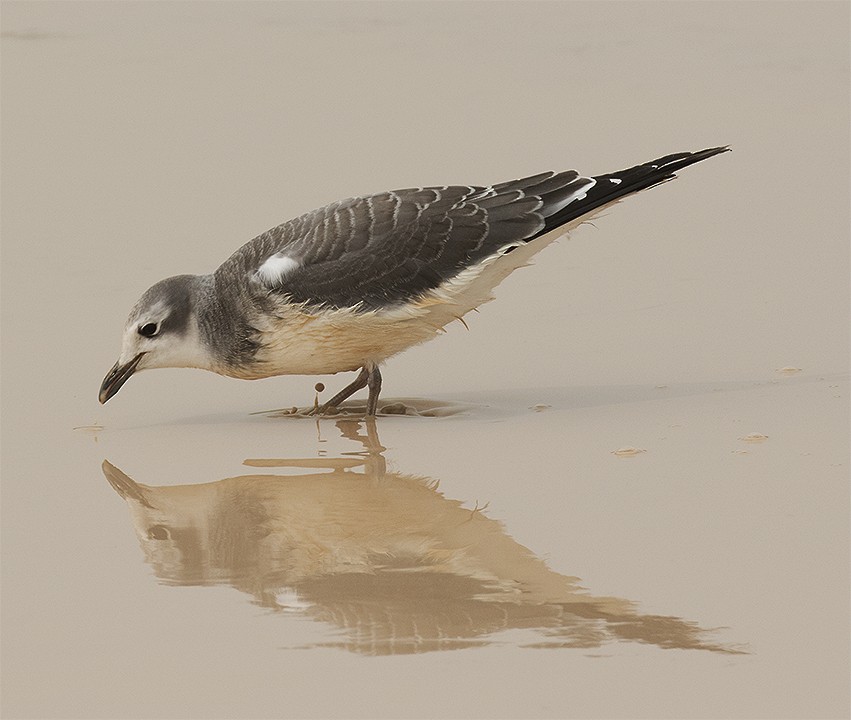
<point>374,383</point>
<point>360,381</point>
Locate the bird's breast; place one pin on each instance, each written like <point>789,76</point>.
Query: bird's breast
<point>302,341</point>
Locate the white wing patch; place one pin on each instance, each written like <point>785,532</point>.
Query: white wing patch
<point>275,269</point>
<point>616,181</point>
<point>578,194</point>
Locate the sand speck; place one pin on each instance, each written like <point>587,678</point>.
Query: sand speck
<point>628,451</point>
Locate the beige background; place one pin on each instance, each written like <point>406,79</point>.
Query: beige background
<point>141,140</point>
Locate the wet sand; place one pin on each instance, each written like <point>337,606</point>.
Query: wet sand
<point>622,493</point>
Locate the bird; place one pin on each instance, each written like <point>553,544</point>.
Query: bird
<point>347,286</point>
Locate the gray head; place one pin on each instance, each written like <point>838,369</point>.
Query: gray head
<point>162,331</point>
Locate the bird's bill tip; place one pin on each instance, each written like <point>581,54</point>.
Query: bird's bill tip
<point>116,377</point>
<point>124,485</point>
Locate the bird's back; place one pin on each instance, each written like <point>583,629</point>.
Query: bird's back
<point>389,249</point>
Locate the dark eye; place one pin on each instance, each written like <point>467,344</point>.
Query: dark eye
<point>149,329</point>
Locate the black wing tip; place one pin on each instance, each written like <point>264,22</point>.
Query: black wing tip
<point>709,152</point>
<point>628,182</point>
<point>664,168</point>
<point>671,164</point>
<point>696,157</point>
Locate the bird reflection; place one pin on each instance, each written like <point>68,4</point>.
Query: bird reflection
<point>383,558</point>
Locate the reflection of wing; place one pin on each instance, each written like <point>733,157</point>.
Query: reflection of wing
<point>372,251</point>
<point>390,561</point>
<point>392,613</point>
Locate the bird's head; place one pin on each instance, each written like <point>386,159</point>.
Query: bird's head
<point>162,331</point>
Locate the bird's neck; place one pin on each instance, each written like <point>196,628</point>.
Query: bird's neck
<point>224,327</point>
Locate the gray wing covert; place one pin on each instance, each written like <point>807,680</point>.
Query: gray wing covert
<point>383,249</point>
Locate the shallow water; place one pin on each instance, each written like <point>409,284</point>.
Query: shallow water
<point>623,493</point>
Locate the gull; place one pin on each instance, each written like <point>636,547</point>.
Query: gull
<point>349,285</point>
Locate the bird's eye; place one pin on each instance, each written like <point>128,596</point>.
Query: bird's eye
<point>149,329</point>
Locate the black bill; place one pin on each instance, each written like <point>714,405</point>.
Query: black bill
<point>116,377</point>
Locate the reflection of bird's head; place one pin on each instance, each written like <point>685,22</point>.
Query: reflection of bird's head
<point>172,525</point>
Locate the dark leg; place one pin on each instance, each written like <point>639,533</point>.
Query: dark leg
<point>374,383</point>
<point>360,381</point>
